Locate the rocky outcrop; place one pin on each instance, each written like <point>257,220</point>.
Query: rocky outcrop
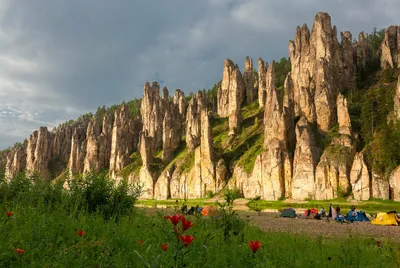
<point>343,116</point>
<point>251,93</point>
<point>15,162</point>
<point>262,69</point>
<point>305,161</point>
<point>78,150</point>
<point>172,128</point>
<point>363,53</point>
<point>61,148</point>
<point>348,64</point>
<point>180,102</point>
<point>397,100</point>
<point>231,95</point>
<point>98,145</point>
<point>39,151</point>
<point>380,187</point>
<point>333,170</point>
<point>152,114</point>
<point>319,69</point>
<point>390,48</point>
<point>146,177</point>
<point>193,121</point>
<point>203,177</point>
<point>394,184</point>
<point>125,138</point>
<point>359,178</point>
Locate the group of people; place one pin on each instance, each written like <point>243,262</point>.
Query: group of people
<point>191,211</point>
<point>322,212</point>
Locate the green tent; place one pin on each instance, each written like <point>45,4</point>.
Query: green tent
<point>288,213</point>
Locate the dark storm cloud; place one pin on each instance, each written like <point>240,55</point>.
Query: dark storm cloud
<point>59,58</point>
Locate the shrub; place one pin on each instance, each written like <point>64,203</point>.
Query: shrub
<point>96,192</point>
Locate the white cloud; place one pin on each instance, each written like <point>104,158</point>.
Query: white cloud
<point>59,59</point>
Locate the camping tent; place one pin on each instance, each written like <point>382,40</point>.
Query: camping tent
<point>310,211</point>
<point>332,212</point>
<point>356,216</point>
<point>209,211</point>
<point>386,219</point>
<point>288,213</point>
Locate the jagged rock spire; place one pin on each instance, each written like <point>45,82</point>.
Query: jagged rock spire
<point>390,48</point>
<point>248,80</point>
<point>319,69</point>
<point>397,100</point>
<point>231,95</point>
<point>262,69</point>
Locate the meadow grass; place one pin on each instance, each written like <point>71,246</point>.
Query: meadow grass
<point>46,223</point>
<point>50,239</point>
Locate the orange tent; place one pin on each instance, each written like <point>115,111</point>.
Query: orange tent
<point>209,211</point>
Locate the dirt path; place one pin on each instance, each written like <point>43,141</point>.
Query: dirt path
<point>272,222</point>
<point>328,229</point>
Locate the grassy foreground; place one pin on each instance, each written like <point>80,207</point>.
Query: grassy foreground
<point>96,225</point>
<point>50,239</point>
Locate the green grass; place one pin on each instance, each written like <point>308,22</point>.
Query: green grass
<point>45,225</point>
<point>50,239</point>
<point>171,203</point>
<point>133,167</point>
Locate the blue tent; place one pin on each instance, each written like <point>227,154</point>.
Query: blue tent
<point>356,216</point>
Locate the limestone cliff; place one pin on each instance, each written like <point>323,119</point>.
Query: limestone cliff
<point>333,170</point>
<point>305,161</point>
<point>390,48</point>
<point>262,69</point>
<point>39,151</point>
<point>172,127</point>
<point>124,139</point>
<point>78,149</point>
<point>394,183</point>
<point>251,93</point>
<point>298,142</point>
<point>98,144</point>
<point>397,100</point>
<point>360,179</point>
<point>15,162</point>
<point>319,68</point>
<point>231,95</point>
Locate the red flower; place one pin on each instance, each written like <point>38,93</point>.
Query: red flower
<point>19,251</point>
<point>140,242</point>
<point>80,233</point>
<point>174,219</point>
<point>255,245</point>
<point>186,239</point>
<point>186,224</point>
<point>164,247</point>
<point>9,213</point>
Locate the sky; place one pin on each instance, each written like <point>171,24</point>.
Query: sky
<point>60,59</point>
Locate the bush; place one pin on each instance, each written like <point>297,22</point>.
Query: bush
<point>93,193</point>
<point>96,192</point>
<point>231,195</point>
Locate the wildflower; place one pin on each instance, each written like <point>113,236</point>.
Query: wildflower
<point>164,247</point>
<point>255,245</point>
<point>19,251</point>
<point>186,224</point>
<point>80,233</point>
<point>186,239</point>
<point>140,242</point>
<point>9,213</point>
<point>174,219</point>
